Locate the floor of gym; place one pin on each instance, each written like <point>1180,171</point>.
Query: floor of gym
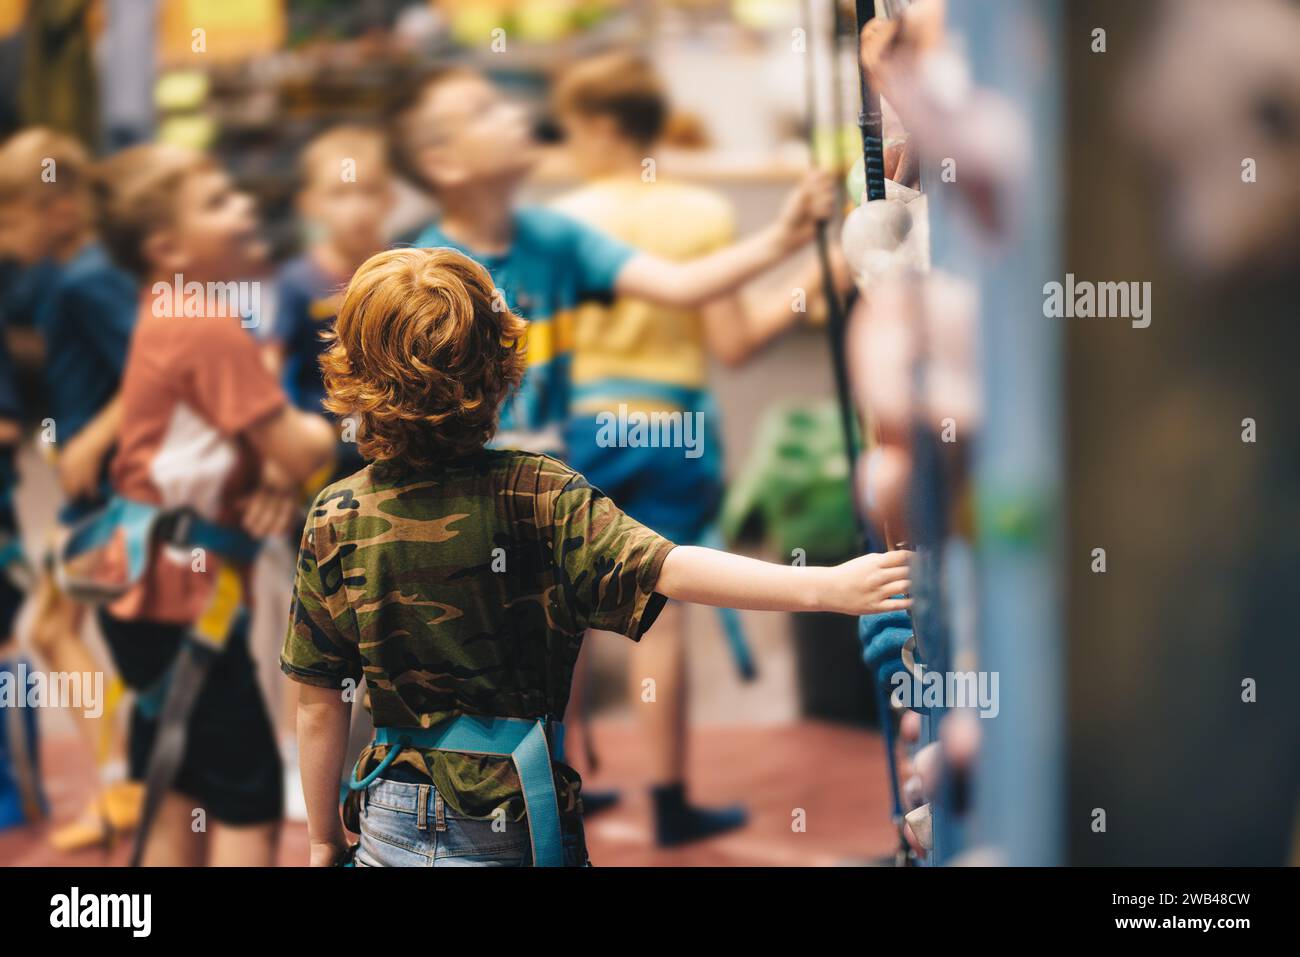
<point>834,773</point>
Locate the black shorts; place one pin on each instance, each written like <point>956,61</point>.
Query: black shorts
<point>231,766</point>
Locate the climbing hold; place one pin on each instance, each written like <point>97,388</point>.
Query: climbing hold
<point>919,829</point>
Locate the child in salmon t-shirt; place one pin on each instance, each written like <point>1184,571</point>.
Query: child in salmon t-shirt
<point>205,427</point>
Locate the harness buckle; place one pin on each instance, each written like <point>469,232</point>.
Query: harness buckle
<point>174,528</point>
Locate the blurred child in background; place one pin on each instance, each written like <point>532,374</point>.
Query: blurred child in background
<point>636,354</point>
<point>457,137</point>
<point>205,427</point>
<point>84,311</point>
<point>21,796</point>
<point>345,197</point>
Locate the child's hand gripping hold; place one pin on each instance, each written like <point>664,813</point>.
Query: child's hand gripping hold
<point>809,203</point>
<point>869,585</point>
<point>863,586</point>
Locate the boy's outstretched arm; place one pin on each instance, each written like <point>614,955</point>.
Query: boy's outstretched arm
<point>862,586</point>
<point>691,284</point>
<point>739,325</point>
<point>322,748</point>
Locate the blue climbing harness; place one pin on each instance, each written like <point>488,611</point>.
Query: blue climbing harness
<point>523,740</point>
<point>104,556</point>
<point>124,529</point>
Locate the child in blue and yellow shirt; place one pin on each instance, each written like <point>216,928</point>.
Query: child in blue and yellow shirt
<point>458,138</point>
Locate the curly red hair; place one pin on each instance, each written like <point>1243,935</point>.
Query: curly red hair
<point>423,352</point>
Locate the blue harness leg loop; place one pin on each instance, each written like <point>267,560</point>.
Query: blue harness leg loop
<point>134,519</point>
<point>523,740</point>
<point>140,527</point>
<point>533,763</point>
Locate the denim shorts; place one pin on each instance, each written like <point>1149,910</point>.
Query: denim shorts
<point>409,825</point>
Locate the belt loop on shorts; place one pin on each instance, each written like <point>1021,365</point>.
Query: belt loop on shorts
<point>422,808</point>
<point>439,812</point>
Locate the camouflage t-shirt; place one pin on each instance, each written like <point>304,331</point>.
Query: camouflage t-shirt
<point>466,589</point>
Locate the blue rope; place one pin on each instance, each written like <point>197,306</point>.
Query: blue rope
<point>393,751</point>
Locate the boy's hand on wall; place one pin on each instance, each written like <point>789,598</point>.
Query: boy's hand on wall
<point>874,47</point>
<point>808,204</point>
<point>867,585</point>
<point>889,48</point>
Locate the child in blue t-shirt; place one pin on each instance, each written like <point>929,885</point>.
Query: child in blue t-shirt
<point>458,138</point>
<point>345,197</point>
<point>21,799</point>
<point>82,310</point>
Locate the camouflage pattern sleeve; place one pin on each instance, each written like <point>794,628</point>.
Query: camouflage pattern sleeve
<point>316,651</point>
<point>609,561</point>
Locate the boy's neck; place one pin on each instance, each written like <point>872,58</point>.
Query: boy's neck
<point>479,217</point>
<point>341,261</point>
<point>621,161</point>
<point>69,248</point>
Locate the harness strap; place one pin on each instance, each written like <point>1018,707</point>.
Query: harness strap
<point>125,532</point>
<point>523,740</point>
<point>13,562</point>
<point>185,527</point>
<point>96,531</point>
<point>138,526</point>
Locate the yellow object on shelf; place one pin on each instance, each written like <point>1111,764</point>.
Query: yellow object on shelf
<point>201,32</point>
<point>193,131</point>
<point>837,156</point>
<point>472,24</point>
<point>180,91</point>
<point>479,23</point>
<point>760,14</point>
<point>12,13</point>
<point>545,21</point>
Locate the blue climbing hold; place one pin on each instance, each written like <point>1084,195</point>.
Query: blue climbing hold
<point>883,637</point>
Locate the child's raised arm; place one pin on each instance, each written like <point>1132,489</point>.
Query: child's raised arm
<point>691,284</point>
<point>862,586</point>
